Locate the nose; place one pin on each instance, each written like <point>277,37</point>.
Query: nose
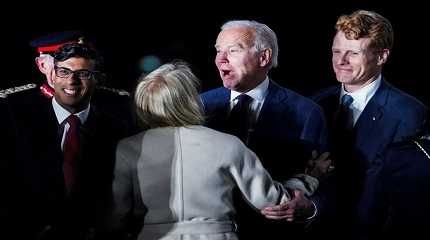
<point>74,79</point>
<point>341,59</point>
<point>221,57</point>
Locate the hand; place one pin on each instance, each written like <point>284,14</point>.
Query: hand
<point>318,165</point>
<point>299,208</point>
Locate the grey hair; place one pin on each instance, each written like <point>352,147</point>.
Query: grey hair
<point>264,37</point>
<point>168,96</point>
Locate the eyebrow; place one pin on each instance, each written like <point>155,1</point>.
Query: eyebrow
<point>231,45</point>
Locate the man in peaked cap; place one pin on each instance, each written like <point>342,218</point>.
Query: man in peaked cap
<point>45,47</point>
<point>57,162</point>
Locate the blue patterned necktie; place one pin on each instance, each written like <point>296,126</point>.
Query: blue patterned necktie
<point>345,117</point>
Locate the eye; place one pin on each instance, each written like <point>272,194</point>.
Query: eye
<point>84,74</point>
<point>233,50</point>
<point>63,72</point>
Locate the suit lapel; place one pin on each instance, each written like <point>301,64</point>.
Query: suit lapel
<point>45,140</point>
<point>371,120</point>
<point>274,101</point>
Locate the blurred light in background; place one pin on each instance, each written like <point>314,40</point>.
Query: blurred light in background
<point>149,63</point>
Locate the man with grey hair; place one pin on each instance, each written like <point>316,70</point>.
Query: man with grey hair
<point>279,125</point>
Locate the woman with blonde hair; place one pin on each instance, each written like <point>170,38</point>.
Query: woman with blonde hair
<point>178,176</point>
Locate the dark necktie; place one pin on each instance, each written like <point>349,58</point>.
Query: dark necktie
<point>239,118</point>
<point>345,117</point>
<point>71,149</point>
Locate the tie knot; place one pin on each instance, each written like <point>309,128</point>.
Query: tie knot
<point>243,98</point>
<point>346,100</point>
<point>73,121</point>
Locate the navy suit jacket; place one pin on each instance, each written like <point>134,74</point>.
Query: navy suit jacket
<point>288,127</point>
<point>390,116</point>
<point>397,194</point>
<point>38,203</point>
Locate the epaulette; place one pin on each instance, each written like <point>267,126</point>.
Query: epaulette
<point>114,90</point>
<point>5,92</point>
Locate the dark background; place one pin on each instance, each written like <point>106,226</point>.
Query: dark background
<point>125,33</point>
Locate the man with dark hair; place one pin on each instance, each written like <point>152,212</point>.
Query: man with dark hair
<point>60,154</point>
<point>115,102</point>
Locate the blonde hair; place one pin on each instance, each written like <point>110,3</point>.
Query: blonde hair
<point>168,96</point>
<point>367,24</point>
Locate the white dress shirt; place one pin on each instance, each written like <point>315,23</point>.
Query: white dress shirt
<point>361,97</point>
<point>62,114</point>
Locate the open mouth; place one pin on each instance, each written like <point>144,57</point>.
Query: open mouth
<point>225,73</point>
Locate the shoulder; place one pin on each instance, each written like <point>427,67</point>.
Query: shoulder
<point>18,90</point>
<point>402,100</point>
<point>292,100</point>
<point>229,144</point>
<point>22,96</point>
<point>325,93</point>
<point>214,93</point>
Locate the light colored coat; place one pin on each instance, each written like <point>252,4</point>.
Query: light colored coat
<point>181,180</point>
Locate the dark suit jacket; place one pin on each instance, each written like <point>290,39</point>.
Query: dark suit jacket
<point>39,205</point>
<point>396,200</point>
<point>390,116</point>
<point>288,127</point>
<point>286,120</point>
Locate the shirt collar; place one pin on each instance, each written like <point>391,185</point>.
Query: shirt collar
<point>258,93</point>
<point>62,113</point>
<point>363,95</point>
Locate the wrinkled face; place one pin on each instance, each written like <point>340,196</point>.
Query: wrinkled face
<point>354,63</point>
<point>237,61</point>
<point>74,92</point>
<point>45,63</point>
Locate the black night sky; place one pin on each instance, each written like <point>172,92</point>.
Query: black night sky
<point>124,34</point>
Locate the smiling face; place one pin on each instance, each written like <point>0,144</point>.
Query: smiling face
<point>355,63</point>
<point>240,66</point>
<point>71,92</point>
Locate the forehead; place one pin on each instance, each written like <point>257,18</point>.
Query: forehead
<point>341,42</point>
<point>236,35</point>
<point>76,63</point>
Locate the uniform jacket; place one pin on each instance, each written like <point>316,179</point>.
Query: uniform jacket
<point>39,204</point>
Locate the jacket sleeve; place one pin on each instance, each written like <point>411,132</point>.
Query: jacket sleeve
<point>253,180</point>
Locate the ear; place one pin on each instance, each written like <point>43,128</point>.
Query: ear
<point>40,62</point>
<point>45,65</point>
<point>383,56</point>
<point>265,57</point>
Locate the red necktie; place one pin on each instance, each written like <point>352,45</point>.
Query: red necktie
<point>71,149</point>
